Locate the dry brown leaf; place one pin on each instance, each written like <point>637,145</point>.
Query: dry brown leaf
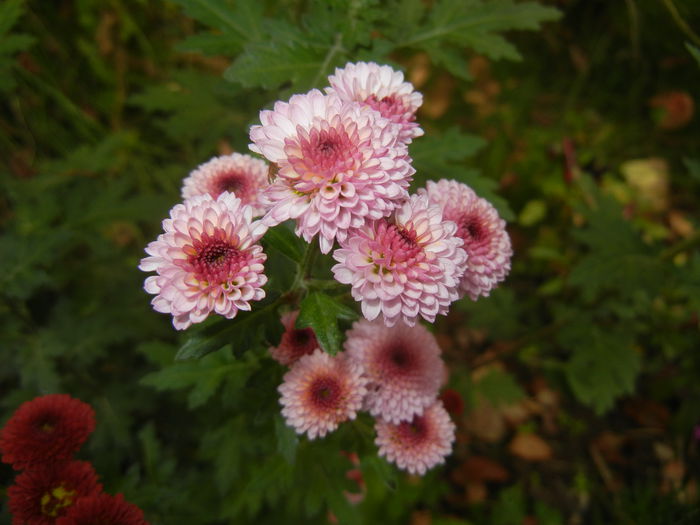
<point>530,447</point>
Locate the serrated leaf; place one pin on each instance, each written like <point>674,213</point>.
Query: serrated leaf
<point>435,153</point>
<point>241,19</point>
<point>210,43</point>
<point>603,365</point>
<point>283,239</point>
<point>499,388</point>
<point>321,313</point>
<point>476,24</point>
<point>271,64</point>
<point>240,331</point>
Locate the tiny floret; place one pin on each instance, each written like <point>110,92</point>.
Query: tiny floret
<point>404,266</point>
<point>384,90</point>
<point>240,174</point>
<point>420,444</point>
<point>320,392</point>
<point>207,260</point>
<point>402,364</point>
<point>295,343</point>
<point>339,164</point>
<point>486,240</point>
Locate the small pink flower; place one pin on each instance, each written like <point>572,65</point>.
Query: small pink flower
<point>242,175</point>
<point>420,444</point>
<point>384,90</point>
<point>402,365</point>
<point>320,392</point>
<point>207,260</point>
<point>340,164</point>
<point>404,266</point>
<point>486,240</point>
<point>295,343</point>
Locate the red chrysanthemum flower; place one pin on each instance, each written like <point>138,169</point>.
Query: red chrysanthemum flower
<point>240,174</point>
<point>295,343</point>
<point>403,367</point>
<point>420,444</point>
<point>486,240</point>
<point>47,428</point>
<point>321,391</point>
<point>43,494</point>
<point>103,509</point>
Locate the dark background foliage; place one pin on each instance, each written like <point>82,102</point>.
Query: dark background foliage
<point>579,374</point>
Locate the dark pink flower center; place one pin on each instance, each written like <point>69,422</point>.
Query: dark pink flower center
<point>389,107</point>
<point>232,182</point>
<point>215,260</point>
<point>398,359</point>
<point>324,153</point>
<point>413,433</point>
<point>394,244</point>
<point>325,392</point>
<point>301,341</point>
<point>471,229</point>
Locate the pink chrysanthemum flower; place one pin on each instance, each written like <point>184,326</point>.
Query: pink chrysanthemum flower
<point>486,240</point>
<point>384,90</point>
<point>242,175</point>
<point>402,365</point>
<point>420,444</point>
<point>320,392</point>
<point>207,260</point>
<point>295,343</point>
<point>340,164</point>
<point>404,266</point>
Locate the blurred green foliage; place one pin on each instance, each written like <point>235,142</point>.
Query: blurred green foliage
<point>106,106</point>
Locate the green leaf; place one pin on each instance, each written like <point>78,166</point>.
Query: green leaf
<point>241,19</point>
<point>283,239</point>
<point>321,313</point>
<point>694,50</point>
<point>499,388</point>
<point>10,11</point>
<point>271,64</point>
<point>604,363</point>
<point>241,331</point>
<point>287,440</point>
<point>618,257</point>
<point>476,24</point>
<point>439,156</point>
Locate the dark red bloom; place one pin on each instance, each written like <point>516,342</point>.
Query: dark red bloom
<point>452,400</point>
<point>42,494</point>
<point>103,509</point>
<point>48,428</point>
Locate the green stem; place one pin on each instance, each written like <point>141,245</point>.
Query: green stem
<point>683,26</point>
<point>305,266</point>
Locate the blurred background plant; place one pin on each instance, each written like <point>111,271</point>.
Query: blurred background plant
<point>574,386</point>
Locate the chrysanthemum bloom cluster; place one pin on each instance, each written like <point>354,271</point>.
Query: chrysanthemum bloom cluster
<point>207,260</point>
<point>403,266</point>
<point>340,164</point>
<point>394,373</point>
<point>104,509</point>
<point>41,438</point>
<point>295,343</point>
<point>483,231</point>
<point>242,175</point>
<point>321,391</point>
